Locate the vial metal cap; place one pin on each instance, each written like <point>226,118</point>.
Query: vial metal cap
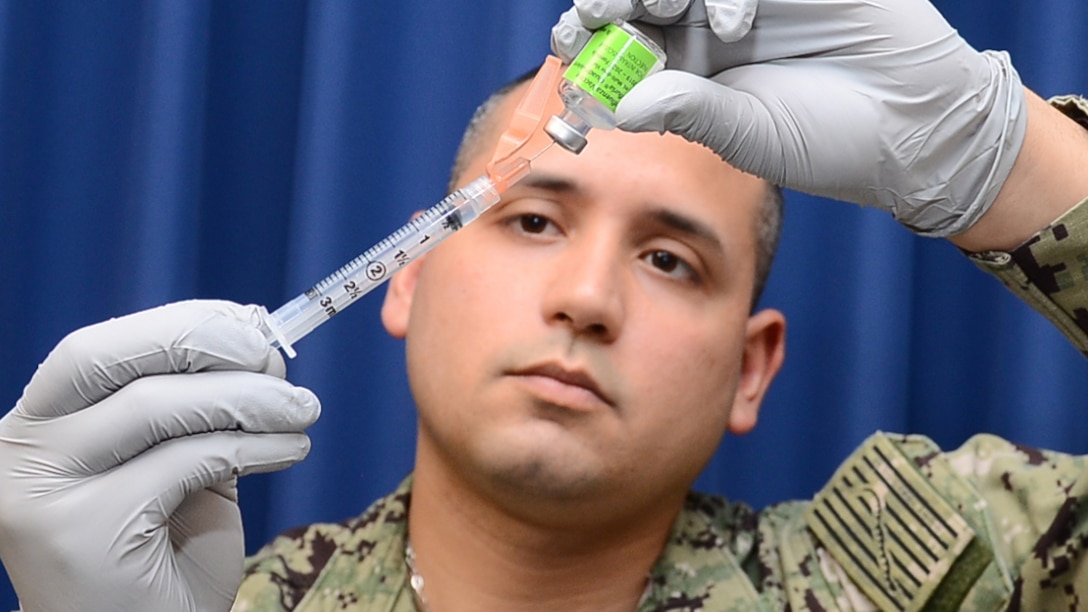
<point>565,134</point>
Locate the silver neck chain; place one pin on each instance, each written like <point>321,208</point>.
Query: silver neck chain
<point>415,579</point>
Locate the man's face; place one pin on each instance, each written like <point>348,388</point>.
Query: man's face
<point>590,336</point>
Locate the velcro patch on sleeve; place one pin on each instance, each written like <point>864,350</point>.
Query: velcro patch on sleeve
<point>893,533</point>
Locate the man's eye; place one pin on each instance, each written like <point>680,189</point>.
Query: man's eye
<point>533,224</point>
<point>665,261</point>
<point>672,265</point>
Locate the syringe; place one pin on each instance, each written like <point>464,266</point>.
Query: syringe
<point>292,321</point>
<point>590,90</point>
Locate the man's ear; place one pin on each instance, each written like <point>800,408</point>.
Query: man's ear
<point>764,351</point>
<point>397,307</point>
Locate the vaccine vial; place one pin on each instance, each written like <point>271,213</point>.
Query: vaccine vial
<point>614,60</point>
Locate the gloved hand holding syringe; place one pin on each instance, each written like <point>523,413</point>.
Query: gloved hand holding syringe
<point>614,60</point>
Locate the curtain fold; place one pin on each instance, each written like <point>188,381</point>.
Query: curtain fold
<point>154,151</point>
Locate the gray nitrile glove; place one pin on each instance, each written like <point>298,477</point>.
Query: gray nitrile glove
<point>877,102</point>
<point>118,464</point>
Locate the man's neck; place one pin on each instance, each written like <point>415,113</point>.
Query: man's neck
<point>475,554</point>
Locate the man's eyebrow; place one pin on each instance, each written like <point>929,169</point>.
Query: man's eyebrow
<point>550,182</point>
<point>686,225</point>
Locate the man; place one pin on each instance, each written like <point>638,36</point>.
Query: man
<point>569,387</point>
<point>572,413</point>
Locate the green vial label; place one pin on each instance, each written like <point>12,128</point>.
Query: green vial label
<point>611,63</point>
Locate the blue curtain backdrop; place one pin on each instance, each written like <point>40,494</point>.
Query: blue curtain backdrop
<point>154,151</point>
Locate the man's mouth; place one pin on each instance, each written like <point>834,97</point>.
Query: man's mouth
<point>570,387</point>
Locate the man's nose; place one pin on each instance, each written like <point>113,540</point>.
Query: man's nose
<point>586,290</point>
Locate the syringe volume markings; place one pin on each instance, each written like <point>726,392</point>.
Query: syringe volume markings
<point>326,303</point>
<point>375,270</point>
<point>340,289</point>
<point>347,269</point>
<point>453,222</point>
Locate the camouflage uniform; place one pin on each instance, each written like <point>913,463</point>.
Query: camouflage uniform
<point>900,526</point>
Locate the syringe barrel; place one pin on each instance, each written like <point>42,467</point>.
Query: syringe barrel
<point>298,317</point>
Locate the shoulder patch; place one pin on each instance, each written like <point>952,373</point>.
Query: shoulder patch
<point>894,535</point>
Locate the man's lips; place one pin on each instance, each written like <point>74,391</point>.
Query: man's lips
<point>566,384</point>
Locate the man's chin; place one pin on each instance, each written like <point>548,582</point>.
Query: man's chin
<point>541,481</point>
<point>546,468</point>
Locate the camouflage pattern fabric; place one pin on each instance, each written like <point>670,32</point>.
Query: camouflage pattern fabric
<point>356,565</point>
<point>900,526</point>
<point>1023,514</point>
<point>1050,270</point>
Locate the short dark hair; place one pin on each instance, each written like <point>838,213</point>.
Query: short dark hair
<point>768,222</point>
